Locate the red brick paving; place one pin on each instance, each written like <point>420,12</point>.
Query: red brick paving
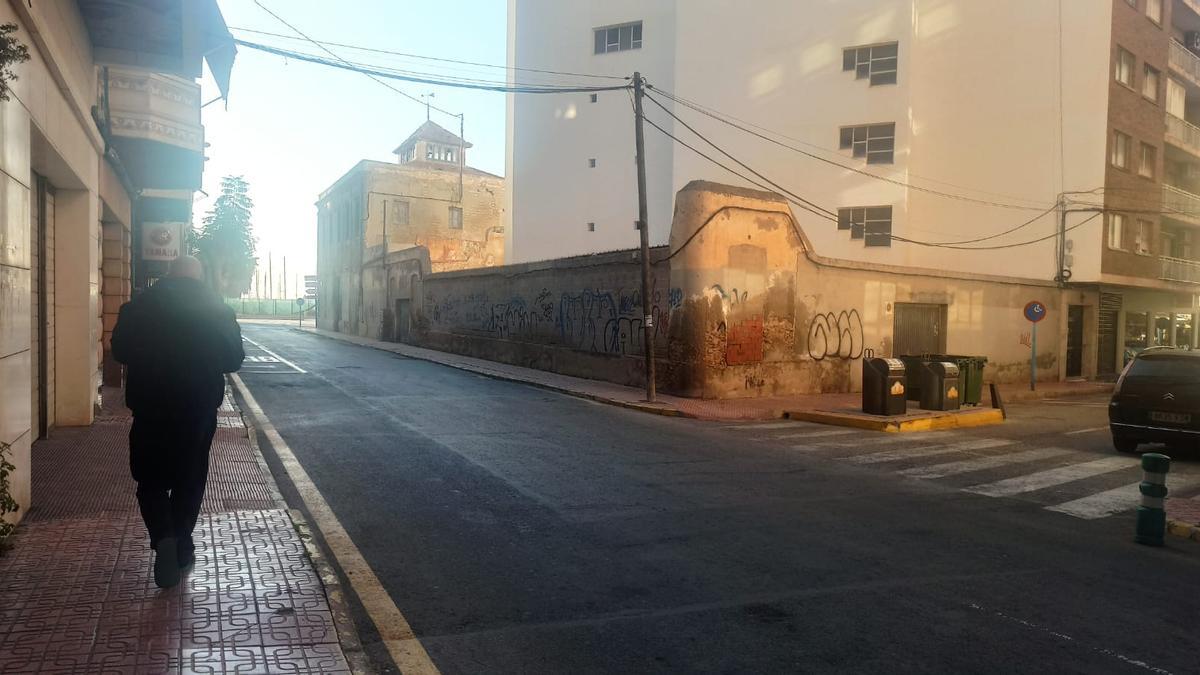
<point>78,591</point>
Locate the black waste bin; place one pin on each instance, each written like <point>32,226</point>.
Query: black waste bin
<point>883,387</point>
<point>913,367</point>
<point>970,375</point>
<point>940,389</point>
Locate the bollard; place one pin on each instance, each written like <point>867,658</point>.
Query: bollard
<point>1151,517</point>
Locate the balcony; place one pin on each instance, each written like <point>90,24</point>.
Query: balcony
<point>1185,62</point>
<point>1179,269</point>
<point>155,125</point>
<point>1183,134</point>
<point>1181,204</point>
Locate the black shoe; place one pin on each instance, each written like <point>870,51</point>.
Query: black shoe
<point>166,563</point>
<point>187,563</point>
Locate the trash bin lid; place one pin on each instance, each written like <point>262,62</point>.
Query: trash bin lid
<point>948,369</point>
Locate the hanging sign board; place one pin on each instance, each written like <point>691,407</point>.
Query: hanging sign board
<point>162,241</point>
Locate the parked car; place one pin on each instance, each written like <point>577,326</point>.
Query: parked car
<point>1157,400</point>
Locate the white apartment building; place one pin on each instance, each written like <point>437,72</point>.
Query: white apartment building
<point>940,121</point>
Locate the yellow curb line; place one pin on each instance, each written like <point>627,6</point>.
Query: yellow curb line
<point>1182,529</point>
<point>984,417</point>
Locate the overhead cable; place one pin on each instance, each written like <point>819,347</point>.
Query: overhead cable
<point>721,117</point>
<point>376,72</point>
<point>431,58</point>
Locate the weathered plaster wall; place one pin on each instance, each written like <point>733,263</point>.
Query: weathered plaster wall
<point>763,315</point>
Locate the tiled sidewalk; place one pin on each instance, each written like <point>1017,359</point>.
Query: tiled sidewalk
<point>77,593</point>
<point>632,397</point>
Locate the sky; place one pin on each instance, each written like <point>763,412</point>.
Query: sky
<point>293,128</point>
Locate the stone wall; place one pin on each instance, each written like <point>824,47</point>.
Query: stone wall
<point>742,306</point>
<point>580,316</point>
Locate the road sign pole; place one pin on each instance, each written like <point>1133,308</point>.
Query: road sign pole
<point>1033,359</point>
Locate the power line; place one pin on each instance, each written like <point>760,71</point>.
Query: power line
<point>1002,246</point>
<point>376,72</point>
<point>432,58</point>
<point>735,159</point>
<point>334,55</point>
<point>720,117</point>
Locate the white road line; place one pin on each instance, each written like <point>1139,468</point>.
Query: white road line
<point>1086,431</point>
<point>968,465</point>
<point>1115,500</point>
<point>1051,477</point>
<point>928,450</point>
<point>818,434</point>
<point>403,646</point>
<point>281,359</point>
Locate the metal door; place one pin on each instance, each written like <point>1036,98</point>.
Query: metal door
<point>1074,340</point>
<point>42,310</point>
<point>919,329</point>
<point>1106,345</point>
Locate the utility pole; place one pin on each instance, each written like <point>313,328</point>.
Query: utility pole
<point>644,233</point>
<point>270,278</point>
<point>1061,276</point>
<point>284,280</point>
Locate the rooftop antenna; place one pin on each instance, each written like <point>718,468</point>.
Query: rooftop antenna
<point>428,101</point>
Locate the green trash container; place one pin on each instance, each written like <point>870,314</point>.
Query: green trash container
<point>970,369</point>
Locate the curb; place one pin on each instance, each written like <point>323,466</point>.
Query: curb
<point>963,420</point>
<point>664,411</point>
<point>1182,529</point>
<point>348,639</point>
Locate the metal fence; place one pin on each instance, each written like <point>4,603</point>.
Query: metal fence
<point>267,307</point>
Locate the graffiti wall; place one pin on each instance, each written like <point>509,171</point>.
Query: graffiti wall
<point>582,316</point>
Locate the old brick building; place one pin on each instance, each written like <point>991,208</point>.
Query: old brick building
<point>430,197</point>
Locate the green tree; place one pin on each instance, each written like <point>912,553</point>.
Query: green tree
<point>225,241</point>
<point>12,52</point>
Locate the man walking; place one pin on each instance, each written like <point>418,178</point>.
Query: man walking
<point>177,339</point>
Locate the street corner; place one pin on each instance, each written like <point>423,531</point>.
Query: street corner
<point>911,422</point>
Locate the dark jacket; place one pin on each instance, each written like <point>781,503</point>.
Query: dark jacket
<point>178,339</point>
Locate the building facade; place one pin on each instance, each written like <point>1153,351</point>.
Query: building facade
<point>430,197</point>
<point>926,139</point>
<point>101,143</point>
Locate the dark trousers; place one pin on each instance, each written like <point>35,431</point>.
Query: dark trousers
<point>169,461</point>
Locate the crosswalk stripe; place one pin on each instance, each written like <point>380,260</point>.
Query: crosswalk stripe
<point>929,438</point>
<point>1051,477</point>
<point>818,434</point>
<point>776,425</point>
<point>928,450</point>
<point>1115,500</point>
<point>968,465</point>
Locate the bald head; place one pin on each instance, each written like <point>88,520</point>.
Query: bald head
<point>187,267</point>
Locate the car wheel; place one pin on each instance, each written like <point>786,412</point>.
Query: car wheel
<point>1125,444</point>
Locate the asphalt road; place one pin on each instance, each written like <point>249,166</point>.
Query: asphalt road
<point>521,531</point>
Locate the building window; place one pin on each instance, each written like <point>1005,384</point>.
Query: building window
<point>592,163</point>
<point>1125,63</point>
<point>1120,150</point>
<point>1132,3</point>
<point>595,97</point>
<point>399,215</point>
<point>1154,11</point>
<point>1141,244</point>
<point>619,38</point>
<point>1150,83</point>
<point>876,142</point>
<point>877,63</point>
<point>1176,98</point>
<point>1116,231</point>
<point>1148,161</point>
<point>872,224</point>
<point>591,227</point>
<point>455,218</point>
